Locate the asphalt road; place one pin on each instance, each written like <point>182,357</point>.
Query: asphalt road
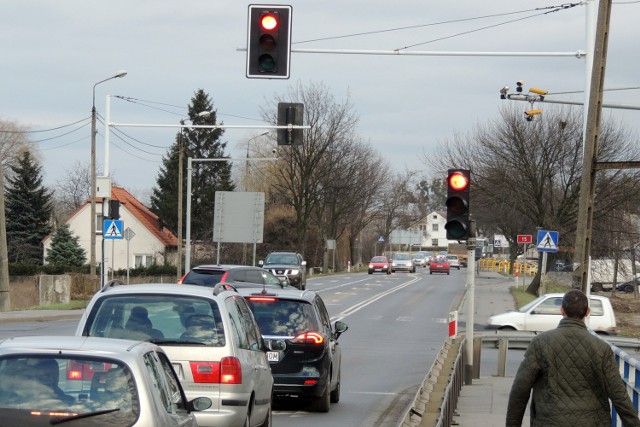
<point>397,325</point>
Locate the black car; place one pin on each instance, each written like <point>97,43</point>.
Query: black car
<point>309,365</point>
<point>628,286</point>
<point>289,264</point>
<point>236,275</point>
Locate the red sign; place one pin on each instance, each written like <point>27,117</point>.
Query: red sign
<point>525,238</point>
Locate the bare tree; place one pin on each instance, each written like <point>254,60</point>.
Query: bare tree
<point>73,190</point>
<point>530,171</point>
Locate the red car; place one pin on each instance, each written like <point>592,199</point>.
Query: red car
<point>439,265</point>
<point>379,264</point>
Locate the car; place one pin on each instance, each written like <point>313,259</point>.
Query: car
<point>235,275</point>
<point>628,286</point>
<point>80,381</point>
<point>420,259</point>
<point>379,264</point>
<point>439,265</point>
<point>454,262</point>
<point>402,262</point>
<point>210,336</point>
<point>543,313</point>
<point>287,264</point>
<point>309,365</point>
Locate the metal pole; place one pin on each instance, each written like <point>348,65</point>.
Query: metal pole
<point>187,245</point>
<point>471,262</point>
<point>180,183</point>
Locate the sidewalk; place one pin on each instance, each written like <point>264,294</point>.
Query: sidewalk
<point>484,402</point>
<point>39,315</point>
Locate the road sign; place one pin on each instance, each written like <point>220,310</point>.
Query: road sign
<point>525,238</point>
<point>112,229</point>
<point>547,241</point>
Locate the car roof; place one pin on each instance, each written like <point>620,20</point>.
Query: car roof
<point>163,288</point>
<point>559,294</point>
<point>224,267</point>
<point>294,294</point>
<point>106,347</point>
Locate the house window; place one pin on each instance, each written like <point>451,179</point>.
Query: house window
<point>99,222</point>
<point>435,217</point>
<point>434,227</point>
<point>434,242</point>
<point>144,260</point>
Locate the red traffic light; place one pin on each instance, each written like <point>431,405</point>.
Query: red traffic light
<point>268,22</point>
<point>458,181</point>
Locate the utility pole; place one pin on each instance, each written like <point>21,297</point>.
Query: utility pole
<point>592,133</point>
<point>5,295</point>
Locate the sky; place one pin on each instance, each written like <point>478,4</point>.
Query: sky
<point>54,52</point>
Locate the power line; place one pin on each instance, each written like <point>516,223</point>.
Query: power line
<point>46,130</point>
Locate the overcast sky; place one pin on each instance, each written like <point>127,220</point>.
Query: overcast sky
<point>53,52</point>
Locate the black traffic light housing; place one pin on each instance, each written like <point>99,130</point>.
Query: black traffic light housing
<point>268,41</point>
<point>458,224</point>
<point>114,209</point>
<point>290,113</point>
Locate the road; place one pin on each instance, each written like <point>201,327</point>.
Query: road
<point>397,325</point>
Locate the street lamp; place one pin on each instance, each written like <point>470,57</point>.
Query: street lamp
<point>246,171</point>
<point>180,183</point>
<point>92,261</point>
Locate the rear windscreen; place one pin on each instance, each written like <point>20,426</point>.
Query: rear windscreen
<point>203,277</point>
<point>284,318</point>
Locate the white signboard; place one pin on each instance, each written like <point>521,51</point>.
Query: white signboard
<point>238,217</point>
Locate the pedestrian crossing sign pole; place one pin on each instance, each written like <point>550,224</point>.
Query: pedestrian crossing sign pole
<point>547,242</point>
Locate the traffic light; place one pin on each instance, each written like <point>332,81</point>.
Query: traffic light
<point>290,113</point>
<point>458,222</point>
<point>268,42</point>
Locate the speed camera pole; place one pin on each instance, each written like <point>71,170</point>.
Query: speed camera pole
<point>469,332</point>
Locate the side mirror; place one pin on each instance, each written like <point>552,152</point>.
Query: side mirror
<point>340,327</point>
<point>261,263</point>
<point>304,263</point>
<point>199,404</point>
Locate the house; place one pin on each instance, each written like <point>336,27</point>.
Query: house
<point>429,232</point>
<point>152,243</point>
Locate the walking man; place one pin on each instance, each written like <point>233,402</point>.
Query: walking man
<point>573,375</point>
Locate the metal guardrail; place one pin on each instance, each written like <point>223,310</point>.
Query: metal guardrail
<point>436,402</point>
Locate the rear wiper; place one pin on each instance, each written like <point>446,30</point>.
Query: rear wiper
<point>60,420</point>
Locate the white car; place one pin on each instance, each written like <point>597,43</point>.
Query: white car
<point>454,262</point>
<point>543,314</point>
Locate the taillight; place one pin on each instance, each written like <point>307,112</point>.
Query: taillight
<point>182,279</point>
<point>227,371</point>
<point>223,279</point>
<point>262,299</point>
<point>230,371</point>
<point>309,338</point>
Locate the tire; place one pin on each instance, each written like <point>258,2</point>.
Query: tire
<point>335,393</point>
<point>628,289</point>
<point>447,273</point>
<point>388,271</point>
<point>370,272</point>
<point>431,272</point>
<point>322,403</point>
<point>596,287</point>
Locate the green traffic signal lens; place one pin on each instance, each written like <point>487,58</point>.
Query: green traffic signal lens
<point>456,230</point>
<point>266,63</point>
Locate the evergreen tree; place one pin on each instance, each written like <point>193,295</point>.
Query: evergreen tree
<point>206,177</point>
<point>28,211</point>
<point>65,249</point>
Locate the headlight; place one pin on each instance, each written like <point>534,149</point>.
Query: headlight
<point>370,265</point>
<point>295,271</point>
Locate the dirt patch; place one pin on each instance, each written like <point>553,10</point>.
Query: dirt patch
<point>627,309</point>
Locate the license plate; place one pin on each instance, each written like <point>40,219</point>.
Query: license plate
<point>377,269</point>
<point>273,356</point>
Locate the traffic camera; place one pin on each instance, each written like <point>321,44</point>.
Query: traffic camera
<point>268,41</point>
<point>530,113</point>
<point>458,224</point>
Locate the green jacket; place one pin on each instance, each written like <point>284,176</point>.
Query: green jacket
<point>573,375</point>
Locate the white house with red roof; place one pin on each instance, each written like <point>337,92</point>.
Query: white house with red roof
<point>152,243</point>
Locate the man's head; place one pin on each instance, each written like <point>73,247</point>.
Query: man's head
<point>575,304</point>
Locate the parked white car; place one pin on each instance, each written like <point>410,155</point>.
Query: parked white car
<point>543,314</point>
<point>454,261</point>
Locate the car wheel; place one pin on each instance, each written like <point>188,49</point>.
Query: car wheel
<point>628,289</point>
<point>322,403</point>
<point>596,287</point>
<point>335,393</point>
<point>388,271</point>
<point>431,272</point>
<point>268,421</point>
<point>370,272</point>
<point>447,273</point>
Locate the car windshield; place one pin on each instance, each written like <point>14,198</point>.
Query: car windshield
<point>45,389</point>
<point>287,318</point>
<point>288,259</point>
<point>402,257</point>
<point>203,277</point>
<point>158,318</point>
<point>378,259</point>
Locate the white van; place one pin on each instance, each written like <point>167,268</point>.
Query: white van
<point>543,314</point>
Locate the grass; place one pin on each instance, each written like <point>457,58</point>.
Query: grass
<point>522,298</point>
<point>72,305</point>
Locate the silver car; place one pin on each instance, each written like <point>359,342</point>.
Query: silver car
<point>83,381</point>
<point>402,262</point>
<point>210,336</point>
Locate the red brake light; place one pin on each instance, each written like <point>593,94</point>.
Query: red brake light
<point>223,279</point>
<point>309,338</point>
<point>230,371</point>
<point>263,299</point>
<point>182,278</point>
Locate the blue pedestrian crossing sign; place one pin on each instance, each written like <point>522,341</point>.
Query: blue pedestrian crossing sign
<point>547,241</point>
<point>112,228</point>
